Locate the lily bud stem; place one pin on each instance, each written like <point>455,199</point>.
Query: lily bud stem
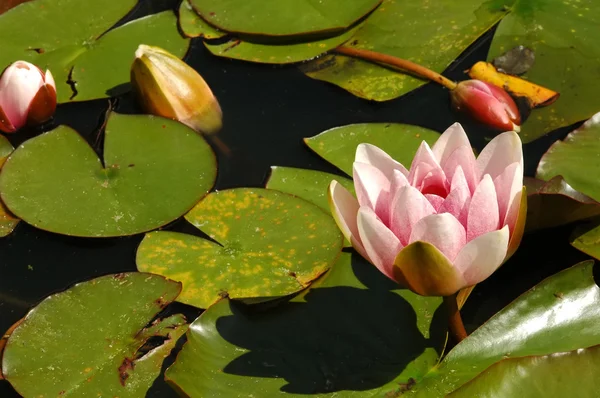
<point>455,323</point>
<point>404,64</point>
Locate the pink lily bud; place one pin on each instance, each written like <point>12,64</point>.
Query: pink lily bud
<point>486,103</point>
<point>27,96</point>
<point>447,223</point>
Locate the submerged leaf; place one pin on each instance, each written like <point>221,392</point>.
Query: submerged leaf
<point>268,244</point>
<point>51,354</point>
<point>515,61</point>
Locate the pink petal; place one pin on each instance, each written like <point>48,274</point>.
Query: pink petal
<point>408,207</point>
<point>500,152</point>
<point>370,154</point>
<point>464,158</point>
<point>426,174</point>
<point>441,230</point>
<point>479,258</point>
<point>453,138</point>
<point>483,210</point>
<point>381,245</point>
<point>372,188</point>
<point>508,185</point>
<point>344,209</point>
<point>435,200</point>
<point>457,201</point>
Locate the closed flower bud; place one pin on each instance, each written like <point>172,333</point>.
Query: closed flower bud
<point>486,103</point>
<point>27,96</point>
<point>166,86</point>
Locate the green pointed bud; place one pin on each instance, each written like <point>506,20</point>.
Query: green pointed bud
<point>166,86</point>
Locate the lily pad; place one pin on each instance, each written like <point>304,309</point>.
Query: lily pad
<point>566,57</point>
<point>76,47</point>
<point>192,25</point>
<point>432,34</point>
<point>560,314</point>
<point>586,237</point>
<point>348,334</point>
<point>283,17</point>
<point>154,171</point>
<point>576,159</point>
<point>268,244</point>
<point>565,374</point>
<point>8,222</point>
<point>50,354</point>
<point>277,53</point>
<point>553,203</point>
<point>400,141</point>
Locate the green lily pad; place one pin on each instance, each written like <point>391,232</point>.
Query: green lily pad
<point>154,171</point>
<point>432,34</point>
<point>553,203</point>
<point>86,341</point>
<point>348,334</point>
<point>570,374</point>
<point>576,159</point>
<point>278,53</point>
<point>283,17</point>
<point>74,45</point>
<point>192,25</point>
<point>400,141</point>
<point>8,222</point>
<point>586,237</point>
<point>566,57</point>
<point>268,244</point>
<point>560,314</point>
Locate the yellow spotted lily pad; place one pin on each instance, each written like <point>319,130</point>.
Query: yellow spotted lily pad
<point>268,243</point>
<point>154,170</point>
<point>87,341</point>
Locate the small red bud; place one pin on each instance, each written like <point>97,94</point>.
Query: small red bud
<point>486,103</point>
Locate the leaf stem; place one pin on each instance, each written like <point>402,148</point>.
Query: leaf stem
<point>404,64</point>
<point>455,323</point>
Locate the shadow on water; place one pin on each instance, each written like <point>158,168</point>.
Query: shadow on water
<point>338,338</point>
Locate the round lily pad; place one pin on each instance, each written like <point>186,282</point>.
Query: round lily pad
<point>154,171</point>
<point>85,341</point>
<point>268,243</point>
<point>400,141</point>
<point>283,17</point>
<point>349,334</point>
<point>192,25</point>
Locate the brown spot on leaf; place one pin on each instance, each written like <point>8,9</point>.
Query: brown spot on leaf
<point>124,369</point>
<point>119,276</point>
<point>160,302</point>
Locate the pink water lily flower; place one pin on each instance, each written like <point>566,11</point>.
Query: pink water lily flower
<point>27,96</point>
<point>447,223</point>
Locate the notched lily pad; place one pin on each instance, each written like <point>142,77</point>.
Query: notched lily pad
<point>192,25</point>
<point>154,171</point>
<point>350,333</point>
<point>553,203</point>
<point>281,17</point>
<point>400,141</point>
<point>268,244</point>
<point>576,159</point>
<point>8,221</point>
<point>77,46</point>
<point>50,354</point>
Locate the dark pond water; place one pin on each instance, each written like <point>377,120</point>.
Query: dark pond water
<point>267,112</point>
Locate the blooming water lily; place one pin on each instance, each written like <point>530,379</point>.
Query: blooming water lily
<point>447,223</point>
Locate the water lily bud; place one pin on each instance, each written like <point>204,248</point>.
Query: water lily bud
<point>166,86</point>
<point>486,103</point>
<point>27,96</point>
<point>446,223</point>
